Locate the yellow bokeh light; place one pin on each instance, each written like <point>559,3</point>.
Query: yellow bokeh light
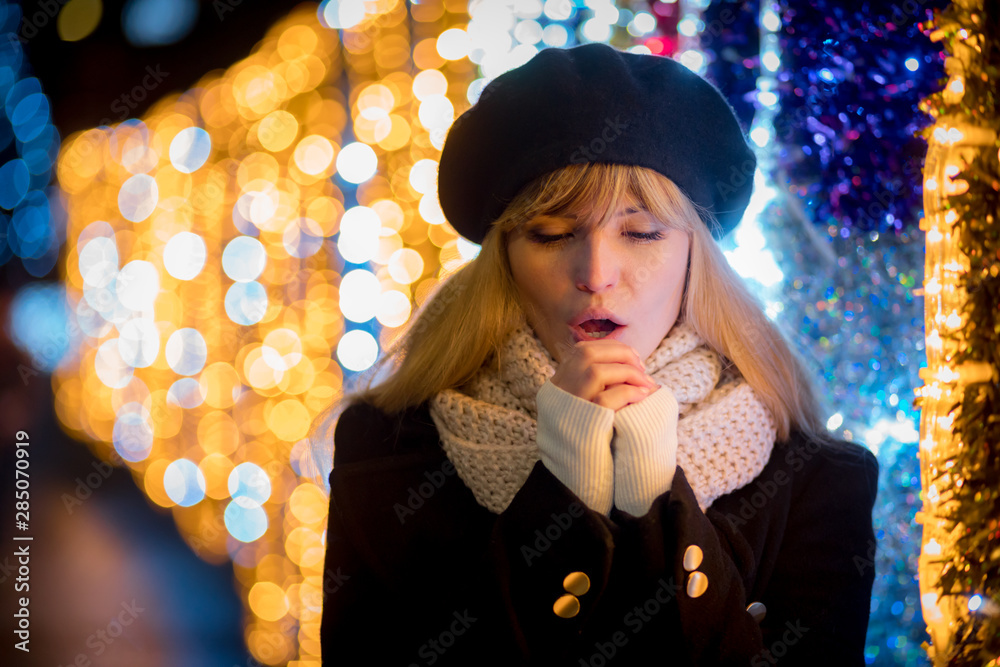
<point>388,243</point>
<point>304,547</point>
<point>314,154</point>
<point>277,130</point>
<point>372,130</point>
<point>77,19</point>
<point>262,156</point>
<point>297,41</point>
<point>167,417</point>
<point>216,469</point>
<point>429,82</point>
<point>298,379</point>
<point>153,483</point>
<point>268,601</point>
<point>271,646</point>
<point>289,420</point>
<point>282,349</point>
<point>399,134</point>
<point>406,266</point>
<point>393,309</point>
<point>220,385</point>
<point>308,503</point>
<point>258,373</point>
<point>390,213</point>
<point>375,101</point>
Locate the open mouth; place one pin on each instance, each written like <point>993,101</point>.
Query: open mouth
<point>598,328</point>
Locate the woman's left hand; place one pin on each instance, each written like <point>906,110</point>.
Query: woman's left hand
<point>606,372</point>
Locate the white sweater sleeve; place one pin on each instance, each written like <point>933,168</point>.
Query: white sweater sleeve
<point>645,451</point>
<point>574,439</point>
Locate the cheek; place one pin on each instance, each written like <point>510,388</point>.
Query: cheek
<point>535,277</point>
<point>536,294</point>
<point>664,284</point>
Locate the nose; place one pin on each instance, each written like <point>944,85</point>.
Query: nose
<point>597,266</point>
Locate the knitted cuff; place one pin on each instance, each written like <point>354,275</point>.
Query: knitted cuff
<point>645,451</point>
<point>574,439</point>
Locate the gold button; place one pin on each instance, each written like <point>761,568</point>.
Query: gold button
<point>697,584</point>
<point>576,583</point>
<point>692,557</point>
<point>567,606</point>
<point>757,611</point>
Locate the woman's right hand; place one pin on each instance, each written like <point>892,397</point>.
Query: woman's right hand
<point>606,372</point>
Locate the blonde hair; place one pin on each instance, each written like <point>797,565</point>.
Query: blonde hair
<point>462,327</point>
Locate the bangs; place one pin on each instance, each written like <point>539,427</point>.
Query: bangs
<point>593,192</point>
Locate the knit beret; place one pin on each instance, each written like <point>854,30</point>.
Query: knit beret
<point>593,103</point>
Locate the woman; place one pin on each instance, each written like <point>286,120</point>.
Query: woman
<point>593,445</point>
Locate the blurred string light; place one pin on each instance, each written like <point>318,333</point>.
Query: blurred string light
<point>749,255</point>
<point>30,227</point>
<point>36,322</point>
<point>412,73</point>
<point>205,311</point>
<point>502,35</point>
<point>77,19</point>
<point>959,560</point>
<point>689,29</point>
<point>158,22</point>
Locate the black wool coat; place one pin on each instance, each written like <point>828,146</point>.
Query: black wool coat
<point>418,573</point>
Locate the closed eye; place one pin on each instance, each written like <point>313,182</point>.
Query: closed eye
<point>645,237</point>
<point>548,239</point>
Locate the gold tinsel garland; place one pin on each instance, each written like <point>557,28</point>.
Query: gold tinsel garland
<point>960,420</point>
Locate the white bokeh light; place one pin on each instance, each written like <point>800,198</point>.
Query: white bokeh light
<point>137,285</point>
<point>393,309</point>
<point>111,369</point>
<point>139,342</point>
<point>359,294</point>
<point>359,234</point>
<point>453,44</point>
<point>189,149</point>
<point>342,14</point>
<point>423,176</point>
<point>357,162</point>
<point>138,197</point>
<point>244,259</point>
<point>184,482</point>
<point>436,112</point>
<point>184,255</point>
<point>186,351</point>
<point>98,261</point>
<point>357,350</point>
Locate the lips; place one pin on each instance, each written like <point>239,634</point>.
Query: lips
<point>598,328</point>
<point>594,324</point>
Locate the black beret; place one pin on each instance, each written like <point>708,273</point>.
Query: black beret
<point>593,103</point>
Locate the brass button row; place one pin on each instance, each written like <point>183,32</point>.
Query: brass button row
<point>697,582</point>
<point>578,583</point>
<point>568,606</point>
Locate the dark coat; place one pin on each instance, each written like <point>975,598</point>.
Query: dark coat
<point>418,573</point>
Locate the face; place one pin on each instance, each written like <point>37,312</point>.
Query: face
<point>623,280</point>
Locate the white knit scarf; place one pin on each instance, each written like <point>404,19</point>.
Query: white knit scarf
<point>724,435</point>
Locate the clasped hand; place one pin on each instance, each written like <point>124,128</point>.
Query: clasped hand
<point>600,436</point>
<point>606,372</point>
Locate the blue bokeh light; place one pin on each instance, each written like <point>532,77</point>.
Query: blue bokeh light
<point>245,519</point>
<point>30,143</point>
<point>158,22</point>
